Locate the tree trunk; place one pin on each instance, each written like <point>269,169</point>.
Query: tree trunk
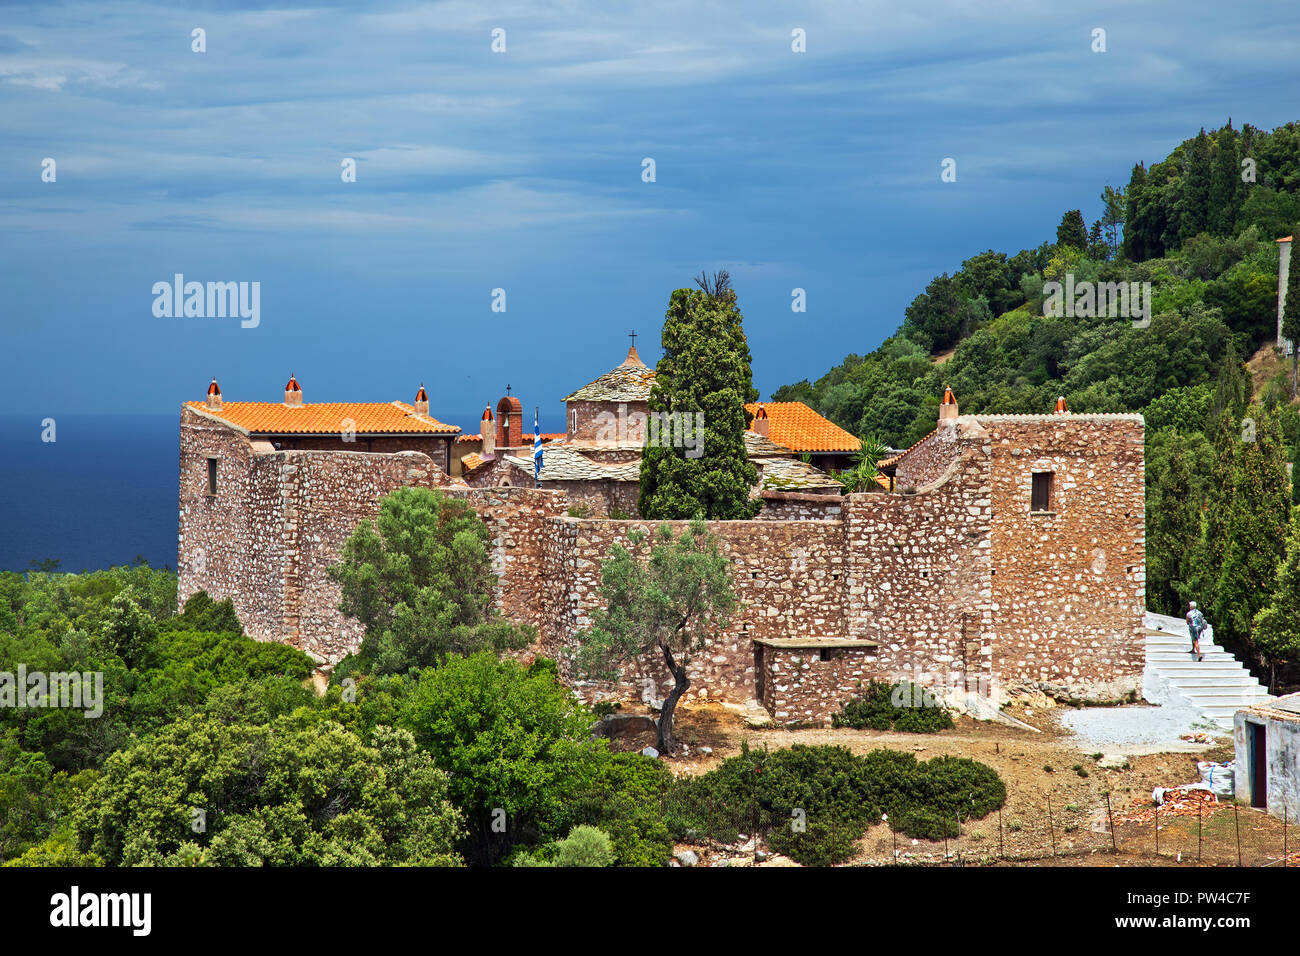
<point>667,743</point>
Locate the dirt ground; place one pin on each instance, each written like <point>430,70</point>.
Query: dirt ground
<point>1056,812</point>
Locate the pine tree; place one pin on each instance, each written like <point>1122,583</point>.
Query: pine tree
<point>705,368</point>
<point>1255,533</point>
<point>1221,217</point>
<point>1072,231</point>
<point>1277,626</point>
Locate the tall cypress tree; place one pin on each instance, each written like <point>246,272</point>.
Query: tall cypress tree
<point>1256,528</point>
<point>1221,217</point>
<point>1173,528</point>
<point>1193,203</point>
<point>705,368</point>
<point>1277,626</point>
<point>1291,318</point>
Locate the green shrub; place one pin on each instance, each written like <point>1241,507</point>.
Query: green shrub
<point>585,846</point>
<point>875,709</point>
<point>837,794</point>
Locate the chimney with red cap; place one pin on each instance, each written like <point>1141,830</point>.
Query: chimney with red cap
<point>293,392</point>
<point>487,429</point>
<point>1060,406</point>
<point>762,425</point>
<point>948,407</point>
<point>214,396</point>
<point>422,401</point>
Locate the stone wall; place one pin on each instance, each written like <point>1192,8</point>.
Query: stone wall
<point>788,577</point>
<point>929,458</point>
<point>607,422</point>
<point>601,498</point>
<point>958,583</point>
<point>809,684</point>
<point>797,506</point>
<point>277,522</point>
<point>1069,583</point>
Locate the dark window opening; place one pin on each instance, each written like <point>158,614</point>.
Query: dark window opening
<point>1041,499</point>
<point>212,477</point>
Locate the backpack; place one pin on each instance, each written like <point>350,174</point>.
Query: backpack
<point>1197,620</point>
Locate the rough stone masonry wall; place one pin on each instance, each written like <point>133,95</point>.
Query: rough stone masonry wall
<point>919,576</point>
<point>929,458</point>
<point>788,576</point>
<point>800,687</point>
<point>798,506</point>
<point>623,422</point>
<point>1070,584</point>
<point>277,522</point>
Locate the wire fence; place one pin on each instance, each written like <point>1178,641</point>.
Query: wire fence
<point>1188,831</point>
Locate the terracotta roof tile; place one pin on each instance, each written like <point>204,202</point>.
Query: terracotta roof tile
<point>325,418</point>
<point>799,428</point>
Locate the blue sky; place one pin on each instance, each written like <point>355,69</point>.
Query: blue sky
<point>522,170</point>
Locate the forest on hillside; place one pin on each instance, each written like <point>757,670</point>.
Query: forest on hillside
<point>1201,227</point>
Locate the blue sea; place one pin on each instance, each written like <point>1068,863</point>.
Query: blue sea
<point>102,493</point>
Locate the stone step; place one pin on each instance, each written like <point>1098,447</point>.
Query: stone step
<point>1217,680</point>
<point>1197,668</point>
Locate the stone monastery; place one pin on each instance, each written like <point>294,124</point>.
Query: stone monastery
<point>1000,551</point>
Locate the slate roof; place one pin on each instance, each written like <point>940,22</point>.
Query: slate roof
<point>786,474</point>
<point>564,464</point>
<point>756,446</point>
<point>629,382</point>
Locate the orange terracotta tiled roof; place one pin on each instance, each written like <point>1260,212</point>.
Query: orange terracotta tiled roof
<point>546,437</point>
<point>799,428</point>
<point>325,418</point>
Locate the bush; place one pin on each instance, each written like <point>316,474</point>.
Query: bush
<point>585,846</point>
<point>837,794</point>
<point>875,709</point>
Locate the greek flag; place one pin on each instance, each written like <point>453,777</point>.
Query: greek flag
<point>537,448</point>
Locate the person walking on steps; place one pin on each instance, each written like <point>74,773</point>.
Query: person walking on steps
<point>1196,625</point>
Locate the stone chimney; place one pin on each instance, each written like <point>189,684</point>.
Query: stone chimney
<point>1061,409</point>
<point>293,392</point>
<point>948,407</point>
<point>1283,273</point>
<point>422,402</point>
<point>214,396</point>
<point>762,425</point>
<point>487,430</point>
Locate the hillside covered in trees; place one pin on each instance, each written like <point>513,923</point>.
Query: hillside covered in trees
<point>1201,227</point>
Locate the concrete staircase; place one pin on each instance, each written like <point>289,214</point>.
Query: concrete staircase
<point>1217,686</point>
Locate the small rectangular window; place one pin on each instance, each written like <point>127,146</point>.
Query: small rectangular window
<point>212,477</point>
<point>1041,499</point>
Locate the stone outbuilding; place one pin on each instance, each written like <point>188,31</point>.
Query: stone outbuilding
<point>1266,737</point>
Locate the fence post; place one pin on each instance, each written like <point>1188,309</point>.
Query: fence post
<point>1199,808</point>
<point>1051,827</point>
<point>1001,849</point>
<point>1114,844</point>
<point>1284,821</point>
<point>1236,819</point>
<point>710,816</point>
<point>1155,820</point>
